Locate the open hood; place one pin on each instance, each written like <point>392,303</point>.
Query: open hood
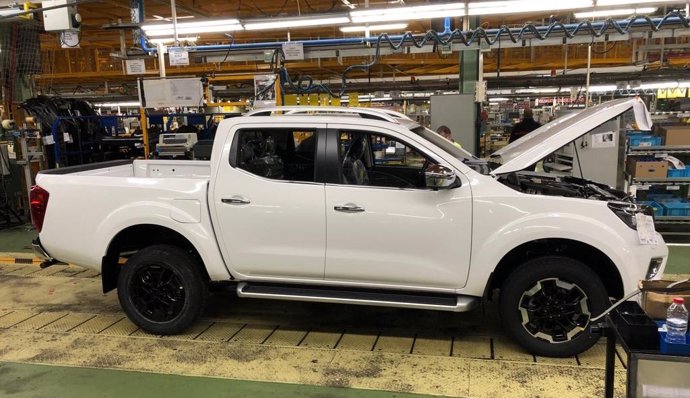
<point>545,140</point>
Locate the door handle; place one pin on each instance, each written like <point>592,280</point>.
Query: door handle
<point>349,208</point>
<point>236,200</point>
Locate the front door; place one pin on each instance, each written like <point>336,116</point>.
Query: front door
<point>384,225</point>
<point>269,202</point>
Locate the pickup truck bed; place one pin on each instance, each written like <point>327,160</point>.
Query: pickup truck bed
<point>98,202</point>
<point>200,169</point>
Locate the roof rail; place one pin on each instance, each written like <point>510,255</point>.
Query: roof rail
<point>388,116</point>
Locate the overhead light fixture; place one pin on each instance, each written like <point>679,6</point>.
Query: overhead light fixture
<point>601,3</point>
<point>167,40</point>
<point>518,6</point>
<point>6,12</point>
<point>390,26</point>
<point>169,19</point>
<point>186,28</point>
<point>295,22</point>
<point>408,13</point>
<point>658,85</point>
<point>499,99</point>
<point>548,90</point>
<point>132,104</point>
<point>614,12</point>
<point>603,88</point>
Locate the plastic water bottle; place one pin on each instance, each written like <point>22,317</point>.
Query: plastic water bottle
<point>676,322</point>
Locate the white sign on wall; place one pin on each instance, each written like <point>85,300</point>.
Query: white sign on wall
<point>178,56</point>
<point>163,93</point>
<point>294,51</point>
<point>135,66</point>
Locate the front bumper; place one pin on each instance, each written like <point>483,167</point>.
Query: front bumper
<point>647,262</point>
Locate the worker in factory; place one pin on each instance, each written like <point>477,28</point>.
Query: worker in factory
<point>444,131</point>
<point>526,126</point>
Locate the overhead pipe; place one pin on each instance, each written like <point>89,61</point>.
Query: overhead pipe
<point>468,37</point>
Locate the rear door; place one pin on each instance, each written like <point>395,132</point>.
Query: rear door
<point>384,226</point>
<point>269,201</point>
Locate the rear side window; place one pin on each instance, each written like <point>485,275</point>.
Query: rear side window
<point>278,154</point>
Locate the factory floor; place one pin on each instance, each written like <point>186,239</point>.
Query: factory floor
<point>60,336</point>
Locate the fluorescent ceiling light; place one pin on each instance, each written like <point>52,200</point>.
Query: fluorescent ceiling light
<point>169,19</point>
<point>185,28</point>
<point>537,90</point>
<point>6,12</point>
<point>517,6</point>
<point>628,2</point>
<point>390,26</point>
<point>498,99</point>
<point>409,13</point>
<point>296,22</point>
<point>615,12</point>
<point>116,104</point>
<point>166,40</point>
<point>499,92</point>
<point>657,85</point>
<point>603,88</point>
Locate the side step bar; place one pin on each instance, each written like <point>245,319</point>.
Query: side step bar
<point>384,298</point>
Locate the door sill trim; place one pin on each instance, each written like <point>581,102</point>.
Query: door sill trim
<point>375,297</point>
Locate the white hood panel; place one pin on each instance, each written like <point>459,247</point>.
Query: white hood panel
<point>545,140</point>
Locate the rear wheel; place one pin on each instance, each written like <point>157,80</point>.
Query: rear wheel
<point>546,305</point>
<point>162,290</point>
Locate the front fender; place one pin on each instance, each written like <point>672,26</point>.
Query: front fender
<point>605,233</point>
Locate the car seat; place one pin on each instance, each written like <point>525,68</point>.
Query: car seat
<point>354,170</point>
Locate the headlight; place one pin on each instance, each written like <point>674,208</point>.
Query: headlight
<point>626,212</point>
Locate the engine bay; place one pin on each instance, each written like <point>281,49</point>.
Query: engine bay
<point>560,185</point>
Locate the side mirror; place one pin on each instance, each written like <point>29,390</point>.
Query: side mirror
<point>440,177</point>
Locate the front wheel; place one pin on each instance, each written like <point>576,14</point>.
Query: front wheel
<point>162,289</point>
<point>546,305</point>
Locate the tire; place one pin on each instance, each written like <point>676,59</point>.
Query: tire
<point>547,302</point>
<point>162,289</point>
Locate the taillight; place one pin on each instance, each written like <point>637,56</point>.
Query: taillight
<point>39,203</point>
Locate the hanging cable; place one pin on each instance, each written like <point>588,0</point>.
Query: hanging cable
<point>304,84</point>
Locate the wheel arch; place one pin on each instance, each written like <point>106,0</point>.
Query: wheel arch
<point>137,237</point>
<point>592,257</point>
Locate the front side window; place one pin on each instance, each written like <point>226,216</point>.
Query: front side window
<point>379,160</point>
<point>278,154</point>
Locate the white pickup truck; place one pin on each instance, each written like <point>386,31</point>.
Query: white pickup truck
<point>357,206</point>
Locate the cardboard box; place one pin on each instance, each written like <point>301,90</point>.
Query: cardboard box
<point>657,297</point>
<point>675,135</point>
<point>640,168</point>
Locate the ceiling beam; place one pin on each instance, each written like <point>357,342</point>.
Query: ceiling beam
<point>190,10</point>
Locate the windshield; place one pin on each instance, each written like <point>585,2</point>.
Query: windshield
<point>443,143</point>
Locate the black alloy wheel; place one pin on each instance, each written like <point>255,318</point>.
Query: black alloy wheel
<point>554,310</point>
<point>162,289</point>
<point>546,305</point>
<point>157,292</point>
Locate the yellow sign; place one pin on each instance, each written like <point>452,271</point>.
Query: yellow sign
<point>353,99</point>
<point>324,100</point>
<point>290,99</point>
<point>670,93</point>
